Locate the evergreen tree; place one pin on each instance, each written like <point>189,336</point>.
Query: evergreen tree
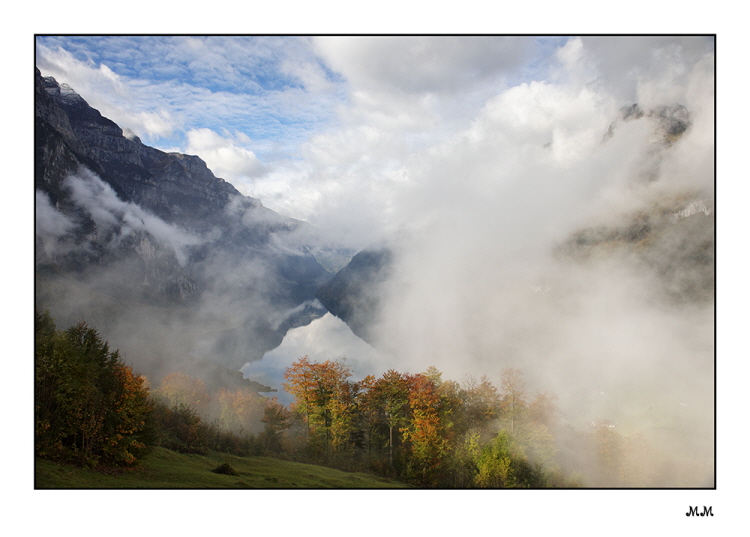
<point>89,406</point>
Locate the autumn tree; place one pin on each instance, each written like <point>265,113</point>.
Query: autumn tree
<point>324,399</point>
<point>420,427</point>
<point>368,413</point>
<point>513,400</point>
<point>543,409</point>
<point>128,417</point>
<point>428,428</point>
<point>301,384</point>
<point>88,404</point>
<point>388,402</point>
<point>481,403</point>
<point>343,424</point>
<point>240,410</point>
<point>182,389</point>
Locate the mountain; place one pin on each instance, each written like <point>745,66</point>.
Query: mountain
<point>669,241</point>
<point>353,294</point>
<point>169,262</point>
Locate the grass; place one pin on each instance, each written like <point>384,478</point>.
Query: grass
<point>164,469</point>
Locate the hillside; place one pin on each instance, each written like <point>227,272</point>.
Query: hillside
<point>165,469</point>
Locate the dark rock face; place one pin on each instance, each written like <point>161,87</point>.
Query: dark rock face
<point>670,122</point>
<point>673,240</point>
<point>177,188</point>
<point>125,230</point>
<point>354,293</point>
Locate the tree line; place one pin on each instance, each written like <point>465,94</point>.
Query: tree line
<point>93,409</point>
<point>424,429</point>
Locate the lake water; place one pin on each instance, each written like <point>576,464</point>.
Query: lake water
<point>326,338</point>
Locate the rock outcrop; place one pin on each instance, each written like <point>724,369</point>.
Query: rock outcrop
<point>122,226</point>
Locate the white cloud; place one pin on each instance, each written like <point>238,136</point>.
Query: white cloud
<point>154,124</point>
<point>225,156</point>
<point>423,64</point>
<point>106,91</point>
<point>310,73</point>
<point>271,89</point>
<point>51,226</point>
<point>624,64</point>
<point>483,195</point>
<point>110,213</point>
<point>484,210</point>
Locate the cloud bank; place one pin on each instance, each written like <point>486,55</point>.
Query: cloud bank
<point>479,159</point>
<point>481,201</point>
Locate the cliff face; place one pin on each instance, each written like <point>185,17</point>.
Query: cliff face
<point>177,188</point>
<point>125,230</point>
<point>353,295</point>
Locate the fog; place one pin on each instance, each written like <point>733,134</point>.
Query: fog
<point>148,294</point>
<point>481,163</point>
<point>478,221</point>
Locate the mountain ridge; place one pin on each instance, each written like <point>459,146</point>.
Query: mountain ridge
<point>670,238</point>
<point>125,231</point>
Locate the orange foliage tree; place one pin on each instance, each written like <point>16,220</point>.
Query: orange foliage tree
<point>241,410</point>
<point>429,428</point>
<point>324,399</point>
<point>181,389</point>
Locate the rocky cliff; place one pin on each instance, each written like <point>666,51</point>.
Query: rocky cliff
<point>126,232</point>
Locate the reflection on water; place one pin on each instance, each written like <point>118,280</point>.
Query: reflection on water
<point>326,338</point>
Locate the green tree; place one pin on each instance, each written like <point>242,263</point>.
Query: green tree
<point>88,404</point>
<point>277,419</point>
<point>504,464</point>
<point>391,397</point>
<point>180,428</point>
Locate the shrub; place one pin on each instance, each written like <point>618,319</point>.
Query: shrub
<point>225,468</point>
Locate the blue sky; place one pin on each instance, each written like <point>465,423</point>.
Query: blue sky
<point>335,130</point>
<point>237,84</point>
<point>277,89</point>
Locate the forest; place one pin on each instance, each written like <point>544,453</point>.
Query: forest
<point>93,410</point>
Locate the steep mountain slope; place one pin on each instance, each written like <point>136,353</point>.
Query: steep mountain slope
<point>667,240</point>
<point>353,294</point>
<point>164,258</point>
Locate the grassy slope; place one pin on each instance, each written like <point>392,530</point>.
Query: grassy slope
<point>164,469</point>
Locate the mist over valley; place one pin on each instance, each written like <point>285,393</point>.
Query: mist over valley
<point>476,205</point>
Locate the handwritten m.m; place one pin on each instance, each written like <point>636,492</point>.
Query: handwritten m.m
<point>693,511</point>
